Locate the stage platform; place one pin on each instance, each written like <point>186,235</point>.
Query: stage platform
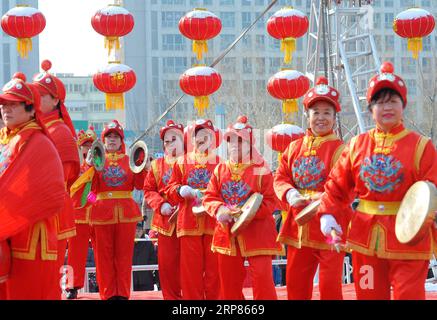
<point>348,294</point>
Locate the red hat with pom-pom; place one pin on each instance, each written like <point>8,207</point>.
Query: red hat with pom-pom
<point>322,92</point>
<point>49,84</point>
<point>202,124</point>
<point>86,136</point>
<point>387,79</point>
<point>240,128</point>
<point>170,125</point>
<point>17,90</point>
<point>113,126</point>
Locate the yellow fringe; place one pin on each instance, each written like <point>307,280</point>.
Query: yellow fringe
<point>111,43</point>
<point>24,45</point>
<point>415,45</point>
<point>201,104</point>
<point>200,47</point>
<point>114,101</point>
<point>288,46</point>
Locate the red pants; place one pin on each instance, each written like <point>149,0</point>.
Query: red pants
<point>3,291</point>
<point>77,254</point>
<point>232,274</point>
<point>302,266</point>
<point>373,278</point>
<point>114,245</point>
<point>169,266</point>
<point>33,279</point>
<point>199,279</point>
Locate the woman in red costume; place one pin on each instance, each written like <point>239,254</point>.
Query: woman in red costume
<point>78,245</point>
<point>172,136</point>
<point>190,176</point>
<point>231,184</point>
<point>378,167</point>
<point>114,215</point>
<point>32,193</point>
<point>301,175</point>
<point>62,133</point>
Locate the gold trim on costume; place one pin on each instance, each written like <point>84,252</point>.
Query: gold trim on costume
<point>420,149</point>
<point>380,208</point>
<point>114,195</point>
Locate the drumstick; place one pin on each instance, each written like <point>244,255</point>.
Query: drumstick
<point>173,216</point>
<point>334,236</point>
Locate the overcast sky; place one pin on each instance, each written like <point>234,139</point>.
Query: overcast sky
<point>68,40</point>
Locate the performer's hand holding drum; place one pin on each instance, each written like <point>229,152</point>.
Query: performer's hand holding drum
<point>247,213</point>
<point>417,213</point>
<point>5,260</point>
<point>308,212</point>
<point>174,216</point>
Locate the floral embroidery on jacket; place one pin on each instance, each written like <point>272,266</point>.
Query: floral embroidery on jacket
<point>114,176</point>
<point>235,193</point>
<point>381,173</point>
<point>308,172</point>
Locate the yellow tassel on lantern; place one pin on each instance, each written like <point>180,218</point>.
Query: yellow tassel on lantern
<point>112,43</point>
<point>415,45</point>
<point>24,45</point>
<point>114,101</point>
<point>200,47</point>
<point>288,46</point>
<point>201,104</point>
<point>289,108</point>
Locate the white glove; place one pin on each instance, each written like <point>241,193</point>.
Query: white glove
<point>166,209</point>
<point>224,215</point>
<point>89,158</point>
<point>327,223</point>
<point>294,198</point>
<point>187,192</point>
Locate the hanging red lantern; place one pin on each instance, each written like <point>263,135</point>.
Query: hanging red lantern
<point>287,25</point>
<point>288,85</point>
<point>23,22</point>
<point>280,136</point>
<point>200,82</point>
<point>414,24</point>
<point>114,80</point>
<point>113,22</point>
<point>200,25</point>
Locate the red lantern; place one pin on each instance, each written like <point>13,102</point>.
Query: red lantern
<point>200,82</point>
<point>287,25</point>
<point>414,24</point>
<point>200,25</point>
<point>280,136</point>
<point>288,85</point>
<point>114,80</point>
<point>112,22</point>
<point>23,22</point>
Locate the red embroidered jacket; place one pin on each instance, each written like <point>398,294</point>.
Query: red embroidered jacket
<point>113,187</point>
<point>379,168</point>
<point>194,170</point>
<point>232,185</point>
<point>154,185</point>
<point>305,166</point>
